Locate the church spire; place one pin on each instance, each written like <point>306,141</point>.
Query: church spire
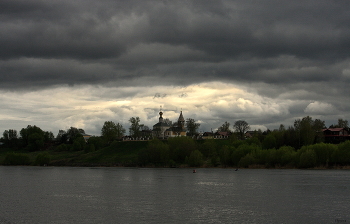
<point>160,115</point>
<point>181,121</point>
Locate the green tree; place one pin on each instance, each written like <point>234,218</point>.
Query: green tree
<point>35,142</point>
<point>48,136</point>
<point>341,155</point>
<point>111,131</point>
<point>195,159</point>
<point>225,127</point>
<point>309,130</point>
<point>323,153</point>
<point>135,127</point>
<point>16,159</point>
<point>209,148</point>
<point>343,123</point>
<point>241,151</point>
<point>97,142</point>
<point>43,159</point>
<point>62,147</point>
<point>74,133</point>
<point>286,155</point>
<point>180,148</point>
<point>246,161</point>
<point>224,155</point>
<point>29,130</point>
<point>10,138</point>
<point>156,153</point>
<point>241,127</point>
<point>89,148</point>
<point>79,144</point>
<point>191,126</point>
<point>269,142</point>
<point>62,136</point>
<point>292,137</point>
<point>307,159</point>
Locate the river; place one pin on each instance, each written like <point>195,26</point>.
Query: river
<point>152,195</point>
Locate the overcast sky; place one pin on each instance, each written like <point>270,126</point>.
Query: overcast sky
<point>80,63</point>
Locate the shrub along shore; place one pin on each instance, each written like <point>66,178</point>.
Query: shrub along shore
<point>184,152</point>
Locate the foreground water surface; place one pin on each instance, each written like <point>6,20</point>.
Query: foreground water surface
<point>141,195</point>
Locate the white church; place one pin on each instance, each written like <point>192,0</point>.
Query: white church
<point>164,130</point>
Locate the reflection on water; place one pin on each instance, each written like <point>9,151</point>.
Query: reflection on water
<point>131,195</point>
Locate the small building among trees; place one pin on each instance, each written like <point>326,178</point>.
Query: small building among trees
<point>335,135</point>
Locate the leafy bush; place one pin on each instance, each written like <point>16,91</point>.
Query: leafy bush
<point>180,148</point>
<point>156,153</point>
<point>16,159</point>
<point>246,161</point>
<point>341,155</point>
<point>323,153</point>
<point>209,148</point>
<point>195,159</point>
<point>96,141</point>
<point>35,142</point>
<point>241,151</point>
<point>287,155</point>
<point>89,148</point>
<point>43,159</point>
<point>79,144</point>
<point>308,159</point>
<point>269,142</point>
<point>224,155</point>
<point>62,148</point>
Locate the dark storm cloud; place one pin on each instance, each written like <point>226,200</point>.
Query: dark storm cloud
<point>48,43</point>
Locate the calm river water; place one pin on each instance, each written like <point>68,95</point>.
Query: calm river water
<point>140,195</point>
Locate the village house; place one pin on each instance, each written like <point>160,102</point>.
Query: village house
<point>208,135</point>
<point>222,134</point>
<point>335,135</point>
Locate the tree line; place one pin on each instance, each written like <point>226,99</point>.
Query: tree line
<point>247,153</point>
<point>33,138</point>
<point>304,131</point>
<point>299,145</point>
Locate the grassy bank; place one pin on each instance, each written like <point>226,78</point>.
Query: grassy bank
<point>186,152</point>
<point>117,154</point>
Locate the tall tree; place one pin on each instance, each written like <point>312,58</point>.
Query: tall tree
<point>144,128</point>
<point>135,127</point>
<point>120,130</point>
<point>343,123</point>
<point>73,133</point>
<point>29,130</point>
<point>241,127</point>
<point>191,126</point>
<point>10,137</point>
<point>281,128</point>
<point>49,136</point>
<point>225,127</point>
<point>62,136</point>
<point>111,131</point>
<point>108,131</point>
<point>33,137</point>
<point>309,131</point>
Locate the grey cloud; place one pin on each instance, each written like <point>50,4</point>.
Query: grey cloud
<point>234,40</point>
<point>285,50</point>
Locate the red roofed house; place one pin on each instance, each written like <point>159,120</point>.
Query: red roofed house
<point>335,135</point>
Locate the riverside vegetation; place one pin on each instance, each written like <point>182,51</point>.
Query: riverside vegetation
<point>300,146</point>
<point>184,152</point>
